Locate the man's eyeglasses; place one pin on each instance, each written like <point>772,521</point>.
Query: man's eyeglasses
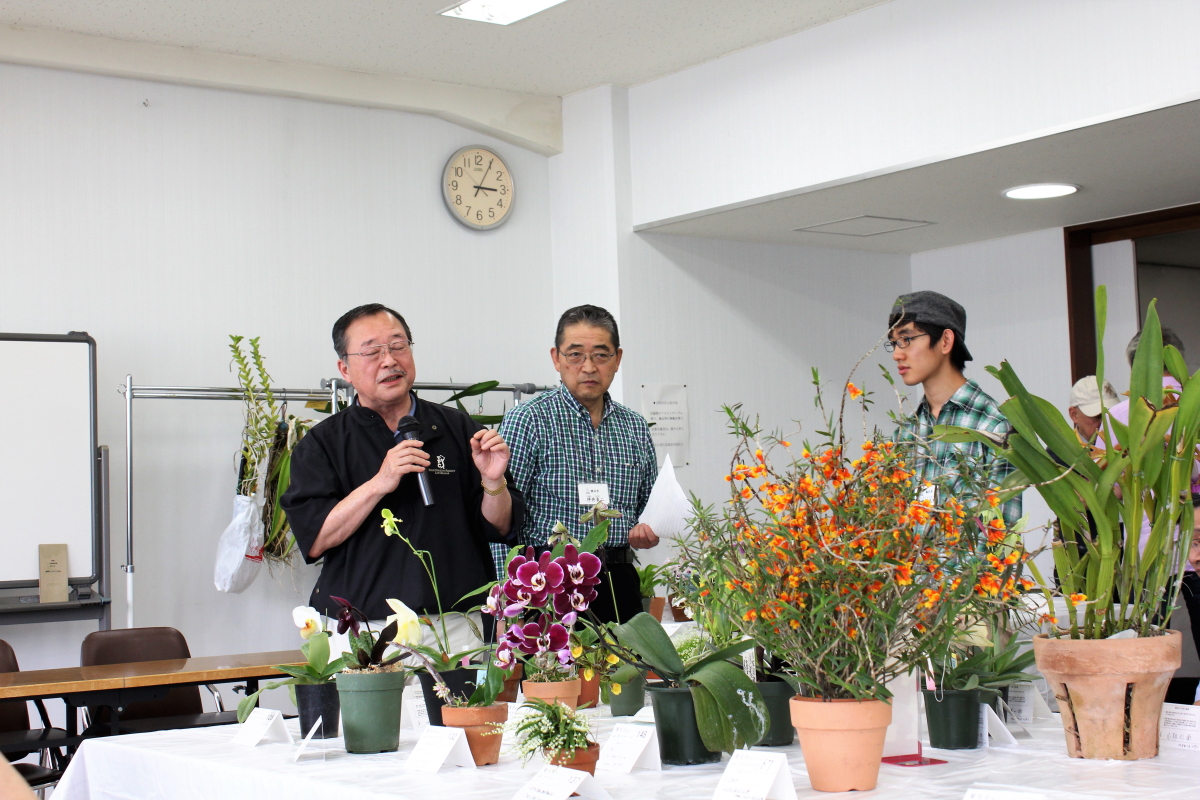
<point>373,352</point>
<point>576,358</point>
<point>901,341</point>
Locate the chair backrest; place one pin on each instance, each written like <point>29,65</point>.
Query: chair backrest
<point>14,716</point>
<point>143,644</point>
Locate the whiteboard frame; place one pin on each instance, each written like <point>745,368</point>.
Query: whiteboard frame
<point>75,337</point>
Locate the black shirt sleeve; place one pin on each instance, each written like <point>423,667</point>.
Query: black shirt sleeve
<point>312,493</point>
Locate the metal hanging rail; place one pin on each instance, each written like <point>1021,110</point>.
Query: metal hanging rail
<point>332,390</point>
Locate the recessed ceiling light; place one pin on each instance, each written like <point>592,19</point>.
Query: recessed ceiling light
<point>1040,191</point>
<point>499,12</point>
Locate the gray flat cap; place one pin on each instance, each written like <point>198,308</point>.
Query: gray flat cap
<point>934,309</point>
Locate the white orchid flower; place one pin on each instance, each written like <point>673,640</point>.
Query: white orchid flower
<point>307,620</point>
<point>408,624</point>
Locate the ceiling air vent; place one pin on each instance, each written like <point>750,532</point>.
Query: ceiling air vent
<point>863,226</point>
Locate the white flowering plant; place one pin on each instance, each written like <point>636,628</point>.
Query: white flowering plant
<point>553,729</point>
<point>318,668</point>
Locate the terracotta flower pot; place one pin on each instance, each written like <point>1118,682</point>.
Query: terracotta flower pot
<point>583,759</point>
<point>511,684</point>
<point>842,741</point>
<point>565,692</point>
<point>589,692</point>
<point>1110,691</point>
<point>482,737</point>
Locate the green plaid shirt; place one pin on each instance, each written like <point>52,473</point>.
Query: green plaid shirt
<point>555,448</point>
<point>969,407</point>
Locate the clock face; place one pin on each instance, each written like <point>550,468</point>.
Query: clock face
<point>478,188</point>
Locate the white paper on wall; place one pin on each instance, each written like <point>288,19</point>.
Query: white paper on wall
<point>665,405</point>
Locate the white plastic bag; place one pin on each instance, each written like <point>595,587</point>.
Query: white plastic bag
<point>239,550</point>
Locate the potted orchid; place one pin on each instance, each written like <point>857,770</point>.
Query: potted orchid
<point>542,599</point>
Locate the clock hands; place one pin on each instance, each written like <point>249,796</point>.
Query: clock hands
<point>485,174</point>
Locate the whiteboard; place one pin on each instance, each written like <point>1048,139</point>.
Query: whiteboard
<point>48,468</point>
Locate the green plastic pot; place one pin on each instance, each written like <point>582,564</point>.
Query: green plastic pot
<point>679,742</point>
<point>776,695</point>
<point>953,718</point>
<point>632,698</point>
<point>371,710</point>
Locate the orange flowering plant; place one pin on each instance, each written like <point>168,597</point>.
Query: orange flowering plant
<point>837,560</point>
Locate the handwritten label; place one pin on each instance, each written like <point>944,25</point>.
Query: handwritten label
<point>985,793</point>
<point>440,746</point>
<point>1179,727</point>
<point>299,751</point>
<point>630,747</point>
<point>414,712</point>
<point>263,725</point>
<point>559,783</point>
<point>754,775</point>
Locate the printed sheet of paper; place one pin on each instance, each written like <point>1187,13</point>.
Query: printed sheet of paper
<point>413,711</point>
<point>559,783</point>
<point>667,510</point>
<point>755,775</point>
<point>52,573</point>
<point>1179,727</point>
<point>665,406</point>
<point>438,747</point>
<point>630,747</point>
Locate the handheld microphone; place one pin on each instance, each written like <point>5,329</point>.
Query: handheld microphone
<point>409,428</point>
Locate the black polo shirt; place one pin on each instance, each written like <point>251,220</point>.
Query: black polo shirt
<point>345,451</point>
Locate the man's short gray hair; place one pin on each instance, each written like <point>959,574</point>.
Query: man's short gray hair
<point>1169,337</point>
<point>588,315</point>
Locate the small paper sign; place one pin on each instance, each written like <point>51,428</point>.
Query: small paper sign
<point>440,746</point>
<point>1026,703</point>
<point>630,747</point>
<point>994,727</point>
<point>754,775</point>
<point>52,577</point>
<point>263,725</point>
<point>299,751</point>
<point>559,783</point>
<point>414,712</point>
<point>1179,726</point>
<point>646,714</point>
<point>984,793</point>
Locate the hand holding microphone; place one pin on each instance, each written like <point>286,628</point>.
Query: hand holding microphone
<point>409,430</point>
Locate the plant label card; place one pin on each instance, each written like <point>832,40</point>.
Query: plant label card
<point>755,775</point>
<point>988,793</point>
<point>413,710</point>
<point>299,751</point>
<point>52,573</point>
<point>645,714</point>
<point>440,746</point>
<point>904,734</point>
<point>263,725</point>
<point>1179,726</point>
<point>994,727</point>
<point>630,747</point>
<point>1020,701</point>
<point>559,783</point>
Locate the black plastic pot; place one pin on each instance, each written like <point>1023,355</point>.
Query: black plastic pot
<point>319,700</point>
<point>460,681</point>
<point>953,718</point>
<point>679,741</point>
<point>776,695</point>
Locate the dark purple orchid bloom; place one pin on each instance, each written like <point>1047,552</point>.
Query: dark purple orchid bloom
<point>543,575</point>
<point>581,569</point>
<point>349,616</point>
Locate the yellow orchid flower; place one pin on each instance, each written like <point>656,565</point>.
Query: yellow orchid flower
<point>589,673</point>
<point>616,688</point>
<point>307,620</point>
<point>408,625</point>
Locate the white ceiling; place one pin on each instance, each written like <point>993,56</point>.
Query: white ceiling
<point>1126,166</point>
<point>571,47</point>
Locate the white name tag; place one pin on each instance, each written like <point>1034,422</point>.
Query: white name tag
<point>1179,726</point>
<point>630,747</point>
<point>559,783</point>
<point>592,493</point>
<point>263,725</point>
<point>754,775</point>
<point>438,747</point>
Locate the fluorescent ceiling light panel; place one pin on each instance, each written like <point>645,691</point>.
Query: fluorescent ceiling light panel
<point>1040,191</point>
<point>499,12</point>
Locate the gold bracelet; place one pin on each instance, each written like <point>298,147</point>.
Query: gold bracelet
<point>490,493</point>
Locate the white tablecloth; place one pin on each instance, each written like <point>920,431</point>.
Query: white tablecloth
<point>202,763</point>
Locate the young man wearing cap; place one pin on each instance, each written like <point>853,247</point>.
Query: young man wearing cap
<point>927,340</point>
<point>1085,408</point>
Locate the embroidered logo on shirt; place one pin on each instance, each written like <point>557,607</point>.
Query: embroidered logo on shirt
<point>441,462</point>
<point>440,469</point>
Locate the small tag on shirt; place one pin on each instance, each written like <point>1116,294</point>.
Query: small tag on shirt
<point>592,493</point>
<point>928,495</point>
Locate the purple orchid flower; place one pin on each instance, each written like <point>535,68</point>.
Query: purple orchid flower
<point>349,616</point>
<point>543,575</point>
<point>581,569</point>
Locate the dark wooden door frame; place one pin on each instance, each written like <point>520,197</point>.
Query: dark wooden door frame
<point>1081,311</point>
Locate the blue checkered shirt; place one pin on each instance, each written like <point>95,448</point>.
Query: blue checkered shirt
<point>555,448</point>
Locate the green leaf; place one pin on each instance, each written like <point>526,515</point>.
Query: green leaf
<point>318,651</point>
<point>474,390</point>
<point>716,729</point>
<point>724,654</point>
<point>738,699</point>
<point>645,636</point>
<point>596,537</point>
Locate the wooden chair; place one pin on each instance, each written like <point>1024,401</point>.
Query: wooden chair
<point>180,708</point>
<point>18,740</point>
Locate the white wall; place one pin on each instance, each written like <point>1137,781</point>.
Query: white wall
<point>901,83</point>
<point>162,228</point>
<point>1114,266</point>
<point>1015,294</point>
<point>1178,293</point>
<point>745,323</point>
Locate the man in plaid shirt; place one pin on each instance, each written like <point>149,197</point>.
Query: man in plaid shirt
<point>927,340</point>
<point>574,446</point>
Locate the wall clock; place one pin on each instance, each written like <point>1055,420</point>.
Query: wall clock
<point>478,188</point>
